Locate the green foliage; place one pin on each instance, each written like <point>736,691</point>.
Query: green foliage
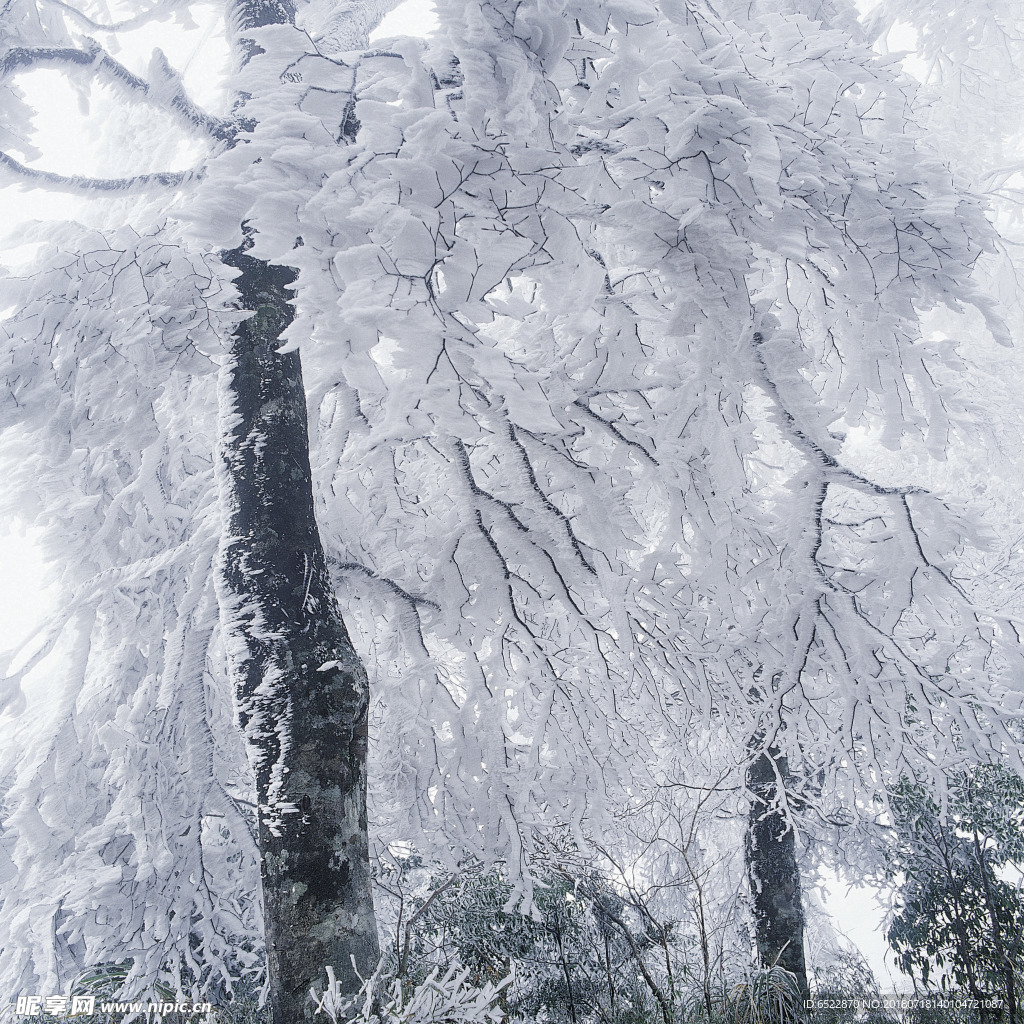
<point>243,1007</point>
<point>956,920</point>
<point>107,982</point>
<point>769,996</point>
<point>575,958</point>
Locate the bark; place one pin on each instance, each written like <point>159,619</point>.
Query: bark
<point>301,690</point>
<point>773,871</point>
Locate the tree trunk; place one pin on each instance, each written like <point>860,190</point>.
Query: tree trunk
<point>773,872</point>
<point>301,690</point>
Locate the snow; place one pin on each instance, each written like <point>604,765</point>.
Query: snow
<point>589,501</point>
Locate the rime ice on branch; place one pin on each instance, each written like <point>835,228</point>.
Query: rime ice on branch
<point>591,298</point>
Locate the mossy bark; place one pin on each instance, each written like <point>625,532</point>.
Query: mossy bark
<point>301,690</point>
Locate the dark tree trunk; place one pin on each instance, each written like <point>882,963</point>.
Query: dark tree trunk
<point>301,690</point>
<point>773,872</point>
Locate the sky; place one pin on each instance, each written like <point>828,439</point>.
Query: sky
<point>24,601</point>
<point>65,132</point>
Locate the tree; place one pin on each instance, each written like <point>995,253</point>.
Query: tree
<point>954,914</point>
<point>838,638</point>
<point>301,690</point>
<point>587,308</point>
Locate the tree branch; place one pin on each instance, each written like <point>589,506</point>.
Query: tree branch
<point>830,465</point>
<point>79,184</point>
<point>389,584</point>
<point>155,14</point>
<point>168,94</point>
<point>614,431</point>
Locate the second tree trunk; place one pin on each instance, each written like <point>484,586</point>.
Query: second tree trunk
<point>773,871</point>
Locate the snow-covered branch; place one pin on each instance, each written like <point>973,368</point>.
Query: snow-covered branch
<point>80,184</point>
<point>165,90</point>
<point>157,12</point>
